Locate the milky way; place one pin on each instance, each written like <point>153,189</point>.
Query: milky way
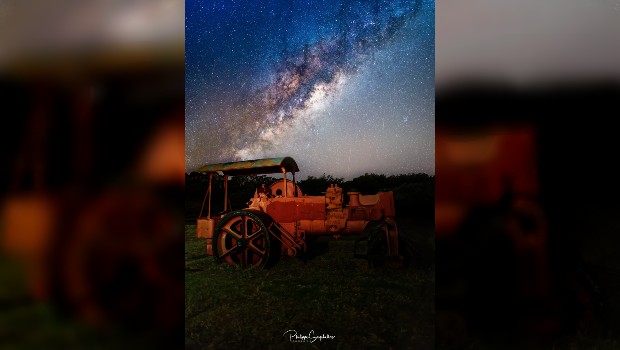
<point>274,79</point>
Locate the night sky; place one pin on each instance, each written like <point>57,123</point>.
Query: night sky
<point>344,87</point>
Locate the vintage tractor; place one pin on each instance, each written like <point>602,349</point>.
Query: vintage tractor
<point>279,219</point>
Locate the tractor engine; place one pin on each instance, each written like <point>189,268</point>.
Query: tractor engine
<point>325,215</point>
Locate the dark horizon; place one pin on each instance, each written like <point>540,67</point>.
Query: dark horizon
<point>345,179</point>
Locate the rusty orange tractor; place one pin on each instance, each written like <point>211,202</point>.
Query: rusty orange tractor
<point>280,219</point>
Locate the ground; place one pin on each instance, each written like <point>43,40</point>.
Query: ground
<point>331,293</point>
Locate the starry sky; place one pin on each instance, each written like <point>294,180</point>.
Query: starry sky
<point>345,87</point>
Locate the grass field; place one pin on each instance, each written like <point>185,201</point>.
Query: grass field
<point>331,293</point>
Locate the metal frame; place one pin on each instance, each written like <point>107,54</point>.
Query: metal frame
<point>247,167</point>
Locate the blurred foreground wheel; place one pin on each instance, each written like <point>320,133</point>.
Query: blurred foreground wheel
<point>119,265</point>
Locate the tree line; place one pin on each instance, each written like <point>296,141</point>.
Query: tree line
<point>414,193</point>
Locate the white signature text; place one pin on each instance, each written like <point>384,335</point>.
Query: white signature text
<point>310,338</point>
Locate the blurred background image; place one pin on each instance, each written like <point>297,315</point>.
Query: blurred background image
<point>91,187</point>
<point>527,191</point>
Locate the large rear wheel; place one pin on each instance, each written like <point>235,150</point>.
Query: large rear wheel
<point>242,239</point>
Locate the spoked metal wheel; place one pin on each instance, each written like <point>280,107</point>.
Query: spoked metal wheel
<point>122,246</point>
<point>242,239</point>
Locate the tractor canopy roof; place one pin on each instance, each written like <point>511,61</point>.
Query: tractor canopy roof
<point>252,167</point>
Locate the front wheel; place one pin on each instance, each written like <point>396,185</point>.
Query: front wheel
<point>378,248</point>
